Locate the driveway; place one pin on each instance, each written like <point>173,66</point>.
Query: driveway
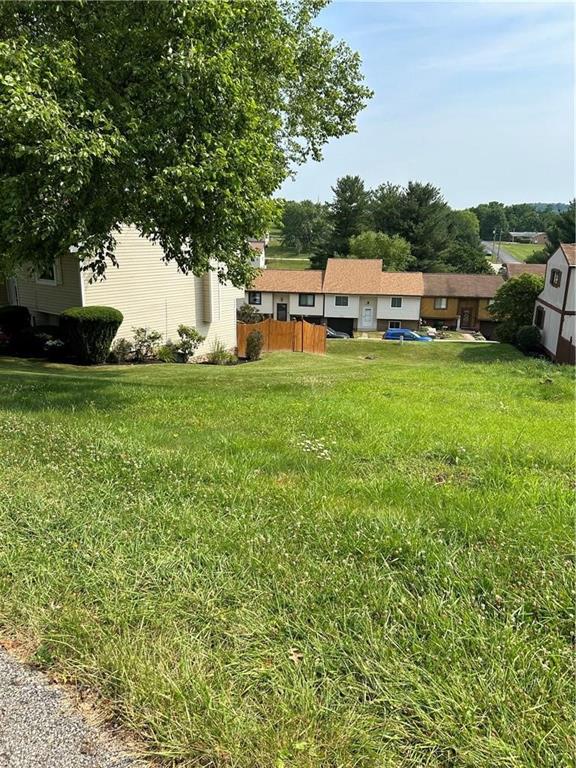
<point>502,255</point>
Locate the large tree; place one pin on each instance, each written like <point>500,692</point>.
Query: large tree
<point>493,220</point>
<point>348,216</point>
<point>513,305</point>
<point>304,224</point>
<point>562,229</point>
<point>181,118</point>
<point>392,249</point>
<point>424,223</point>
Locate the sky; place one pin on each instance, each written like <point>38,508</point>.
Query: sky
<point>476,98</point>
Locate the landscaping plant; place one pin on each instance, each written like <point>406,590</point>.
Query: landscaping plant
<point>248,314</point>
<point>89,332</point>
<point>189,341</point>
<point>121,351</point>
<point>254,344</point>
<point>145,344</point>
<point>219,354</point>
<point>528,338</point>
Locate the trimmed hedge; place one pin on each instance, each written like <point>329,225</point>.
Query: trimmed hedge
<point>254,345</point>
<point>528,338</point>
<point>89,332</point>
<point>14,318</point>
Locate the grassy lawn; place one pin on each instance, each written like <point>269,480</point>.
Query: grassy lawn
<point>361,559</point>
<point>522,250</point>
<point>295,263</point>
<point>275,250</point>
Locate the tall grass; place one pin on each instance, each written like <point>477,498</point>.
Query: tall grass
<point>356,560</point>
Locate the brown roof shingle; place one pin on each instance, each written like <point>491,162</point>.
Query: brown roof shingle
<point>525,269</point>
<point>289,281</point>
<point>569,251</point>
<point>353,276</point>
<point>401,284</point>
<point>455,284</point>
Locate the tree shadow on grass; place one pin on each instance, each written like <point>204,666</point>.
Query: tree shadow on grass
<point>28,385</point>
<point>488,353</point>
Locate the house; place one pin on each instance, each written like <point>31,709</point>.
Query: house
<point>149,293</point>
<point>538,238</point>
<point>513,269</point>
<point>350,295</point>
<point>555,311</point>
<point>459,301</point>
<point>259,252</point>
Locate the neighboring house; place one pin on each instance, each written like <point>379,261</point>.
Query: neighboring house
<point>513,269</point>
<point>355,295</point>
<point>460,301</point>
<point>555,311</point>
<point>538,238</point>
<point>259,255</point>
<point>148,292</point>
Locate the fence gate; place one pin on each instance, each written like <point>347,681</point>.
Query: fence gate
<point>291,336</point>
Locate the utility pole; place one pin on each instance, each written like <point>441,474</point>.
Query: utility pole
<point>494,244</point>
<point>499,243</point>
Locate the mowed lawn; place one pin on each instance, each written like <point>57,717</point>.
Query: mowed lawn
<point>521,251</point>
<point>362,559</point>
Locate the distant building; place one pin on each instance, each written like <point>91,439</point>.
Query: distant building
<point>513,269</point>
<point>555,312</point>
<point>538,238</point>
<point>259,249</point>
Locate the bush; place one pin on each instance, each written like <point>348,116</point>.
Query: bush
<point>189,342</point>
<point>14,318</point>
<point>146,343</point>
<point>528,338</point>
<point>121,351</point>
<point>89,332</point>
<point>168,353</point>
<point>219,355</point>
<point>254,344</point>
<point>248,314</point>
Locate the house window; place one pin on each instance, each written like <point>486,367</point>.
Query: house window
<point>306,299</point>
<point>48,274</point>
<point>394,324</point>
<point>341,301</point>
<point>440,302</point>
<point>396,302</point>
<point>254,297</point>
<point>555,278</point>
<point>539,317</point>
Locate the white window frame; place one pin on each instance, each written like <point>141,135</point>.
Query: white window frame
<point>340,301</point>
<point>397,299</point>
<point>440,302</point>
<point>56,280</point>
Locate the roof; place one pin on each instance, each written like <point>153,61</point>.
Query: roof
<point>401,284</point>
<point>514,269</point>
<point>569,251</point>
<point>257,245</point>
<point>456,284</point>
<point>353,276</point>
<point>526,234</point>
<point>289,281</point>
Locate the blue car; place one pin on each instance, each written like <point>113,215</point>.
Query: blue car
<point>395,334</point>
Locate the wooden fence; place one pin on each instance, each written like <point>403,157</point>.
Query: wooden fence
<point>293,335</point>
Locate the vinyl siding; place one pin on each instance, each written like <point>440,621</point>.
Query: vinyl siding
<point>351,311</point>
<point>410,309</point>
<point>551,329</point>
<point>550,294</point>
<point>51,299</point>
<point>152,294</point>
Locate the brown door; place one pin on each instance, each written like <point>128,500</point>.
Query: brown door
<point>466,317</point>
<point>281,311</point>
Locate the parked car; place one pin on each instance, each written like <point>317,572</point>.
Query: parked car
<point>395,334</point>
<point>332,334</point>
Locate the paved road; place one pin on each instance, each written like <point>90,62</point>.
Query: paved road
<point>504,257</point>
<point>40,729</point>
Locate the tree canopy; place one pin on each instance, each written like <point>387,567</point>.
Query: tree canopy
<point>180,118</point>
<point>513,305</point>
<point>392,249</point>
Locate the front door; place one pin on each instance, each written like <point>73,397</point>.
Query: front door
<point>466,317</point>
<point>281,311</point>
<point>367,317</point>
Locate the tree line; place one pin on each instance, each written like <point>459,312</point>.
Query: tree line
<point>409,228</point>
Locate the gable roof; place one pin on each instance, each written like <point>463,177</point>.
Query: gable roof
<point>569,251</point>
<point>289,281</point>
<point>514,269</point>
<point>456,284</point>
<point>353,276</point>
<point>401,284</point>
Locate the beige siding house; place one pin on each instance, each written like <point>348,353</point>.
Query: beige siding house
<point>148,292</point>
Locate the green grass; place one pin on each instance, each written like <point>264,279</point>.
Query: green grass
<point>521,251</point>
<point>295,263</point>
<point>361,559</point>
<point>275,250</point>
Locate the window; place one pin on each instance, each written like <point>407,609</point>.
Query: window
<point>396,301</point>
<point>440,302</point>
<point>539,317</point>
<point>306,299</point>
<point>48,274</point>
<point>341,301</point>
<point>394,324</point>
<point>555,278</point>
<point>254,297</point>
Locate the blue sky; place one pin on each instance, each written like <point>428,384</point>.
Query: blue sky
<point>477,98</point>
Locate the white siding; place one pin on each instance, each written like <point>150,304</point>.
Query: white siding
<point>156,295</point>
<point>267,306</point>
<point>551,329</point>
<point>552,295</point>
<point>569,328</point>
<point>410,309</point>
<point>44,299</point>
<point>295,309</point>
<point>571,298</point>
<point>351,310</point>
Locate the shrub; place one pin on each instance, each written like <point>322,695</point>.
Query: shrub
<point>528,338</point>
<point>89,332</point>
<point>168,353</point>
<point>14,318</point>
<point>190,340</point>
<point>248,314</point>
<point>254,344</point>
<point>146,343</point>
<point>121,351</point>
<point>219,355</point>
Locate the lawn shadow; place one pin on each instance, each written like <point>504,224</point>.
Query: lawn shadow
<point>30,385</point>
<point>488,353</point>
